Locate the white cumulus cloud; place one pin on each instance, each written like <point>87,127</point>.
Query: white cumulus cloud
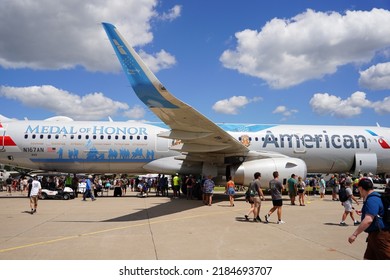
<point>158,61</point>
<point>93,106</point>
<point>172,14</point>
<point>326,104</point>
<point>56,34</point>
<point>284,111</point>
<point>287,52</point>
<point>377,77</point>
<point>232,105</point>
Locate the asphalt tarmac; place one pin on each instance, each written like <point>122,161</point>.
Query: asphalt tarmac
<point>162,228</point>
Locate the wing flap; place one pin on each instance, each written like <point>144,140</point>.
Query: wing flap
<point>183,135</point>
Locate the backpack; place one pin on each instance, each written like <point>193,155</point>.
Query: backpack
<point>251,192</point>
<point>331,183</point>
<point>386,208</point>
<point>343,194</point>
<point>190,182</point>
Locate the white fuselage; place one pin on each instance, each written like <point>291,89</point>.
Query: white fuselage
<point>125,147</point>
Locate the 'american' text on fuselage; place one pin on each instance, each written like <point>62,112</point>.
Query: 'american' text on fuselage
<point>315,141</point>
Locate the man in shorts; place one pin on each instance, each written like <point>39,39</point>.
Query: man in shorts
<point>34,195</point>
<point>292,188</point>
<point>276,188</point>
<point>257,196</point>
<point>348,209</point>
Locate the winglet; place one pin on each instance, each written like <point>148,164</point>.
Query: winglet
<point>145,84</point>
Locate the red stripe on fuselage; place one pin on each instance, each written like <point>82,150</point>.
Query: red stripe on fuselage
<point>7,141</point>
<point>383,144</point>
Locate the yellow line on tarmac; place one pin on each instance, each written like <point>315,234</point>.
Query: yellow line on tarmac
<point>36,244</point>
<point>108,230</point>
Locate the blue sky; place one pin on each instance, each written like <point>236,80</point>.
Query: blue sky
<point>286,62</point>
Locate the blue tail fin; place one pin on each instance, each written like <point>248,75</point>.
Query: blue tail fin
<point>145,84</point>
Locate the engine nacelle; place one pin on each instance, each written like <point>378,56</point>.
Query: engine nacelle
<point>285,167</point>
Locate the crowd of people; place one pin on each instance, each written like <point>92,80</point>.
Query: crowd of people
<point>344,189</point>
<point>375,212</point>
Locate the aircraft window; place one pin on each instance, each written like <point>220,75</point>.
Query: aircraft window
<point>25,136</point>
<point>94,137</point>
<point>57,136</point>
<point>109,137</point>
<point>72,136</point>
<point>256,139</point>
<point>239,138</point>
<point>79,137</point>
<point>41,136</point>
<point>276,139</point>
<point>101,137</point>
<point>262,139</point>
<point>124,137</point>
<point>138,137</point>
<point>49,136</point>
<point>145,137</point>
<point>33,136</point>
<point>131,137</point>
<point>87,137</point>
<point>116,137</point>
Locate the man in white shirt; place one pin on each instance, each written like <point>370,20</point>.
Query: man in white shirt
<point>34,195</point>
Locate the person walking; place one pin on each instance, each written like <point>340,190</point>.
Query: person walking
<point>301,191</point>
<point>75,185</point>
<point>190,182</point>
<point>88,189</point>
<point>208,187</point>
<point>176,186</point>
<point>230,190</point>
<point>34,195</point>
<point>256,196</point>
<point>334,184</point>
<point>292,188</point>
<point>322,185</point>
<point>276,188</point>
<point>348,209</point>
<point>378,240</point>
<point>9,182</point>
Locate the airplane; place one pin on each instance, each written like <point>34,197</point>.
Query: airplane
<point>187,142</point>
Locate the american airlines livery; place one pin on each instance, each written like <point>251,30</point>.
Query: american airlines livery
<point>186,141</point>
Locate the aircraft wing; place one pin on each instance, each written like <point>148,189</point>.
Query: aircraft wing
<point>195,132</point>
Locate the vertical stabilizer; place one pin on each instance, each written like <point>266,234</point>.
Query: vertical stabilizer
<point>145,84</point>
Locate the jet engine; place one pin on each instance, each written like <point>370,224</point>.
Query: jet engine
<point>285,166</point>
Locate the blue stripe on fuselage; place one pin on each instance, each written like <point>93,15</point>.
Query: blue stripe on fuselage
<point>244,127</point>
<point>229,127</point>
<point>371,132</point>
